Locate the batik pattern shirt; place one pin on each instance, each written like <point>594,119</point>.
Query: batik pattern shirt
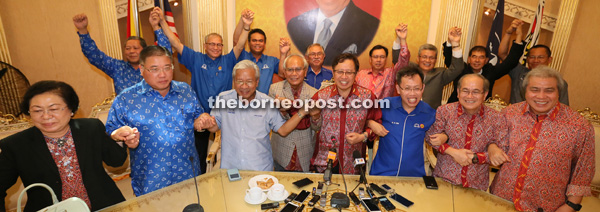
<point>166,126</point>
<point>122,73</point>
<point>338,122</point>
<point>383,83</point>
<point>487,128</point>
<point>562,163</point>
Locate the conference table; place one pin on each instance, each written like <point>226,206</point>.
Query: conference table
<point>217,193</point>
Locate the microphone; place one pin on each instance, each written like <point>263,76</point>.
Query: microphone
<point>330,158</point>
<point>194,207</point>
<point>360,163</point>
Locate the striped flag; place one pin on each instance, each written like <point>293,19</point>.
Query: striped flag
<point>496,33</point>
<point>534,30</point>
<point>168,14</point>
<point>133,24</point>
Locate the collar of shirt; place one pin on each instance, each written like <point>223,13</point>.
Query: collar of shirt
<point>460,110</point>
<point>551,114</point>
<point>145,88</point>
<point>354,91</point>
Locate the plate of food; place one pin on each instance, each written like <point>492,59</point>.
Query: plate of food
<point>263,181</point>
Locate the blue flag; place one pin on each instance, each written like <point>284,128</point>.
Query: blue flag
<point>496,33</point>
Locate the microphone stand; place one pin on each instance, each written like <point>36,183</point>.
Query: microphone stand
<point>194,207</point>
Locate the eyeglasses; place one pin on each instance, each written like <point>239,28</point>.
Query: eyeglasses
<point>220,45</point>
<point>347,73</point>
<point>423,57</point>
<point>248,83</point>
<point>472,92</point>
<point>294,70</point>
<point>415,89</point>
<point>539,57</point>
<point>50,111</point>
<point>315,54</point>
<point>379,57</point>
<point>155,70</point>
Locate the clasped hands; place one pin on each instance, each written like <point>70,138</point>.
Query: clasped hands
<point>130,136</point>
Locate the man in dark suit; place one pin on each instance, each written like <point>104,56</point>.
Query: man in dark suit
<point>350,28</point>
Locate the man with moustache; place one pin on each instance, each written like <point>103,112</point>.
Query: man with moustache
<point>245,142</point>
<point>471,127</point>
<point>343,123</point>
<point>549,149</point>
<point>378,78</point>
<point>316,74</point>
<point>293,152</point>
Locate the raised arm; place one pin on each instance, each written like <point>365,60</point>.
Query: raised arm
<point>238,31</point>
<point>457,65</point>
<point>247,18</point>
<point>81,23</point>
<point>284,51</point>
<point>404,53</point>
<point>175,42</point>
<point>505,42</point>
<point>161,39</point>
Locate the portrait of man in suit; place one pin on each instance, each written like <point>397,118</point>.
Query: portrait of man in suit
<point>338,25</point>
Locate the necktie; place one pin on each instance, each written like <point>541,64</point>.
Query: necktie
<point>325,33</point>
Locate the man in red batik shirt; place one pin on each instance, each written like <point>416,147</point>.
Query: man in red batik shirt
<point>550,148</point>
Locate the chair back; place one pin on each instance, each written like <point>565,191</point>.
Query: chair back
<point>13,85</point>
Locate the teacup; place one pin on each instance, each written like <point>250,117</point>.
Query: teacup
<point>254,193</point>
<point>277,190</point>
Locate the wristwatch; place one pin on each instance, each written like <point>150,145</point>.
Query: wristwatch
<point>575,207</point>
<point>475,159</point>
<point>366,137</point>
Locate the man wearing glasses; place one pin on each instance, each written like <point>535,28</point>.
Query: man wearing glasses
<point>471,127</point>
<point>402,131</point>
<point>211,72</point>
<point>437,78</point>
<point>245,142</point>
<point>294,151</point>
<point>343,126</point>
<point>537,55</point>
<point>378,78</point>
<point>316,74</point>
<point>155,118</point>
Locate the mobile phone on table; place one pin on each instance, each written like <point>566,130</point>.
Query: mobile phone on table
<point>378,189</point>
<point>289,207</point>
<point>269,205</point>
<point>370,204</point>
<point>430,182</point>
<point>361,192</point>
<point>290,197</point>
<point>385,202</point>
<point>301,196</point>
<point>354,198</point>
<point>400,199</point>
<point>314,200</point>
<point>388,188</point>
<point>315,209</point>
<point>303,182</point>
<point>233,174</point>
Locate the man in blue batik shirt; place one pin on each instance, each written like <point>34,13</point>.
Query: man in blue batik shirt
<point>155,118</point>
<point>211,72</point>
<point>316,73</point>
<point>124,73</point>
<point>403,128</point>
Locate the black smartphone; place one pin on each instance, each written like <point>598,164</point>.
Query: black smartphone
<point>290,197</point>
<point>301,208</point>
<point>378,189</point>
<point>385,202</point>
<point>289,208</point>
<point>370,193</point>
<point>430,182</point>
<point>303,182</point>
<point>315,209</point>
<point>269,205</point>
<point>370,205</point>
<point>400,199</point>
<point>314,200</point>
<point>301,196</point>
<point>354,198</point>
<point>388,188</point>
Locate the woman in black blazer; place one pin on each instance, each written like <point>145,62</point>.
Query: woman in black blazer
<point>64,153</point>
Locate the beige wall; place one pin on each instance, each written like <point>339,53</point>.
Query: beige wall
<point>44,45</point>
<point>580,68</point>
